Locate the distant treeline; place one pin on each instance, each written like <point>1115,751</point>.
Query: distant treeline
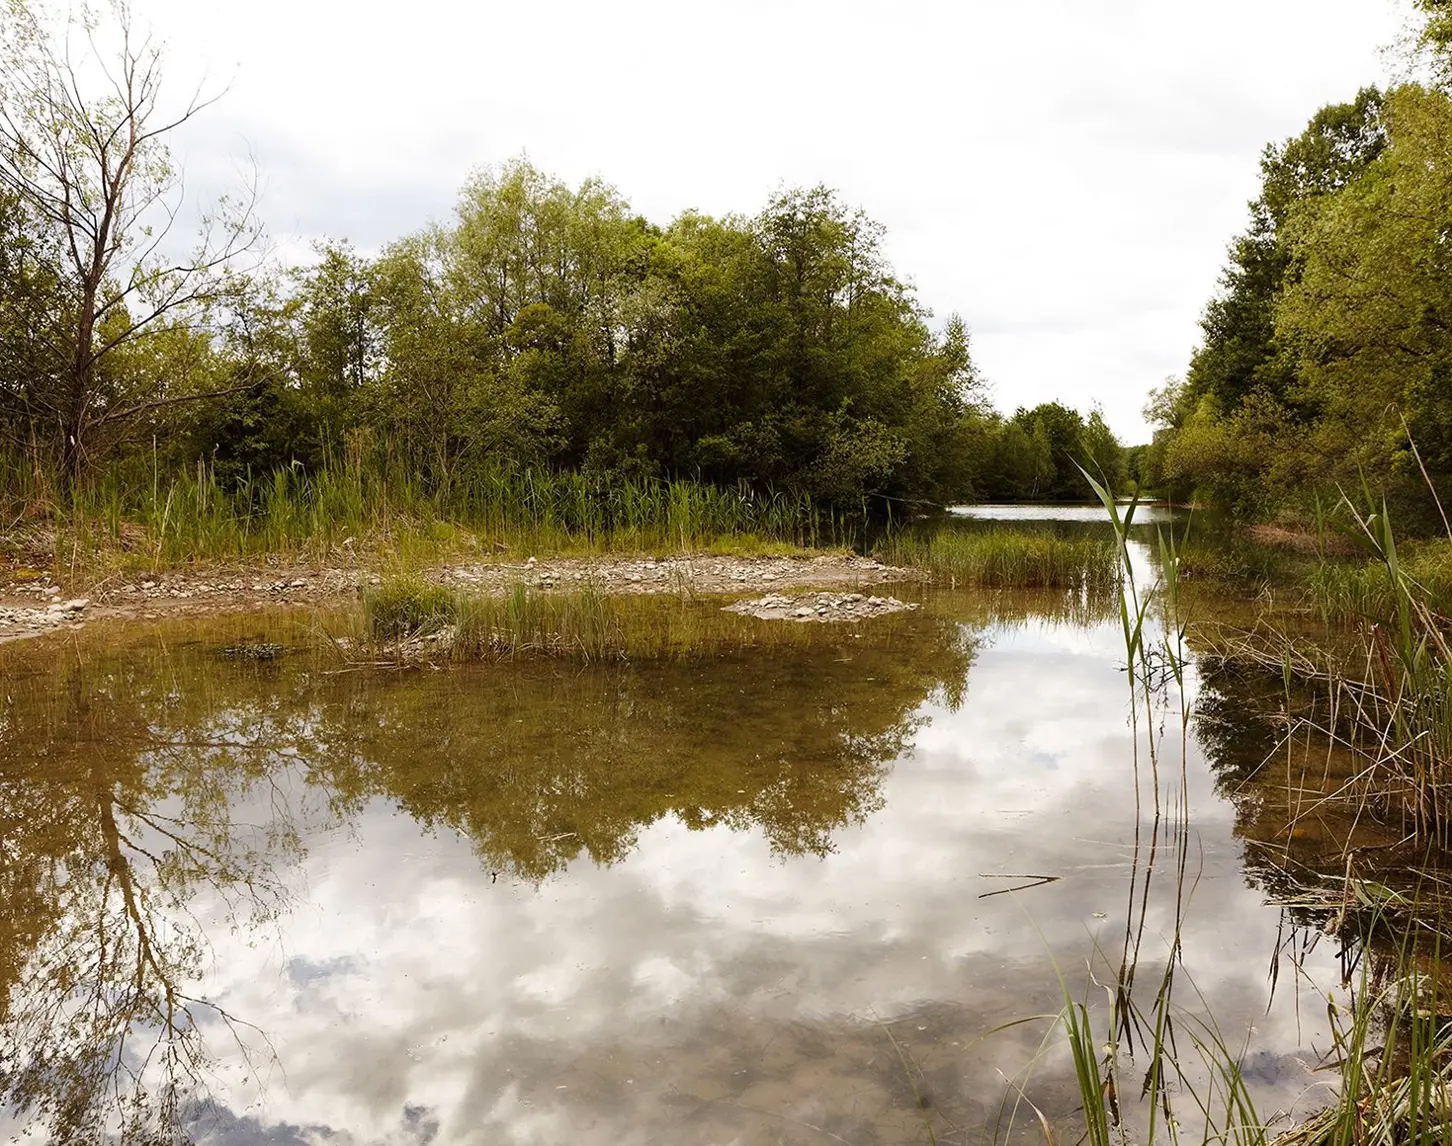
<point>1327,353</point>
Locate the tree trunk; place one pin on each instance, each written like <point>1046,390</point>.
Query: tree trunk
<point>83,370</point>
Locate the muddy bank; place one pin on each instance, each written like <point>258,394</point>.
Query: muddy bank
<point>32,604</point>
<point>1299,540</point>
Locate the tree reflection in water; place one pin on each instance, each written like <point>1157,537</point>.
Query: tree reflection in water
<point>118,795</point>
<point>1341,866</point>
<point>150,794</point>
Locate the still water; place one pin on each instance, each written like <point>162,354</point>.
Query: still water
<point>789,893</point>
<point>1148,513</point>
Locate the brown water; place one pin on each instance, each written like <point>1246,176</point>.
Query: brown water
<point>763,895</point>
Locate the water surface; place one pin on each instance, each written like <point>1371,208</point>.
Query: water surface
<point>782,893</point>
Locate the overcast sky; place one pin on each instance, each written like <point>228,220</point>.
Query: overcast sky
<point>1066,174</point>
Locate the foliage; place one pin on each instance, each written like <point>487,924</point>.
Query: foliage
<point>1037,454</point>
<point>1277,402</point>
<point>1326,357</point>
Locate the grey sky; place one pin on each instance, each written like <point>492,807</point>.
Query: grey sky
<point>1066,173</point>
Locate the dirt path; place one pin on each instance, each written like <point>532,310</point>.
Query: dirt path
<point>32,606</point>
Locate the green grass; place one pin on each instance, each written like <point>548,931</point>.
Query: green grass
<point>408,606</point>
<point>1242,563</point>
<point>1007,558</point>
<point>1350,591</point>
<point>165,519</point>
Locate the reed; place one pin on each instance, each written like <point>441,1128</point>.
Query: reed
<point>1007,558</point>
<point>1348,592</point>
<point>166,518</point>
<point>1379,690</point>
<point>1392,1047</point>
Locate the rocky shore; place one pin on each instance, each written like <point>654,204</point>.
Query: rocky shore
<point>33,603</point>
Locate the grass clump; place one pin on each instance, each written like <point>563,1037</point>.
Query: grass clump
<point>406,607</point>
<point>407,614</point>
<point>408,619</point>
<point>1008,558</point>
<point>581,623</point>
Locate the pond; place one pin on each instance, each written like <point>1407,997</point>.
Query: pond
<point>1152,513</point>
<point>796,892</point>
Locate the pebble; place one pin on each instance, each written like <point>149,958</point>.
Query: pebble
<point>54,615</point>
<point>820,607</point>
<point>46,609</point>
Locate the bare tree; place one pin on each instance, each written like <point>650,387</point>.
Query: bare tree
<point>84,144</point>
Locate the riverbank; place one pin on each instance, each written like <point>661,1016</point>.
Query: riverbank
<point>33,602</point>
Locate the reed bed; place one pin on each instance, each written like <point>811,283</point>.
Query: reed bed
<point>191,515</point>
<point>1007,558</point>
<point>1349,592</point>
<point>1379,687</point>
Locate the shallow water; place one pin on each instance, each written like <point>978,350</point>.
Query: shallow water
<point>772,894</point>
<point>1091,514</point>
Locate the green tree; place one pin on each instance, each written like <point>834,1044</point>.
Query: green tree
<point>1371,313</point>
<point>1101,453</point>
<point>90,164</point>
<point>1239,351</point>
<point>1245,427</point>
<point>1057,437</point>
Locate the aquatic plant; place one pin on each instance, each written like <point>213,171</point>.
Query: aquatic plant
<point>1392,1050</point>
<point>1006,558</point>
<point>347,508</point>
<point>1348,592</point>
<point>408,606</point>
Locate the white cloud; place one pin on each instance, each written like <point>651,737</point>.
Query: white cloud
<point>703,988</point>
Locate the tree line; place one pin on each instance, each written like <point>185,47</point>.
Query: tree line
<point>1326,357</point>
<point>543,325</point>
